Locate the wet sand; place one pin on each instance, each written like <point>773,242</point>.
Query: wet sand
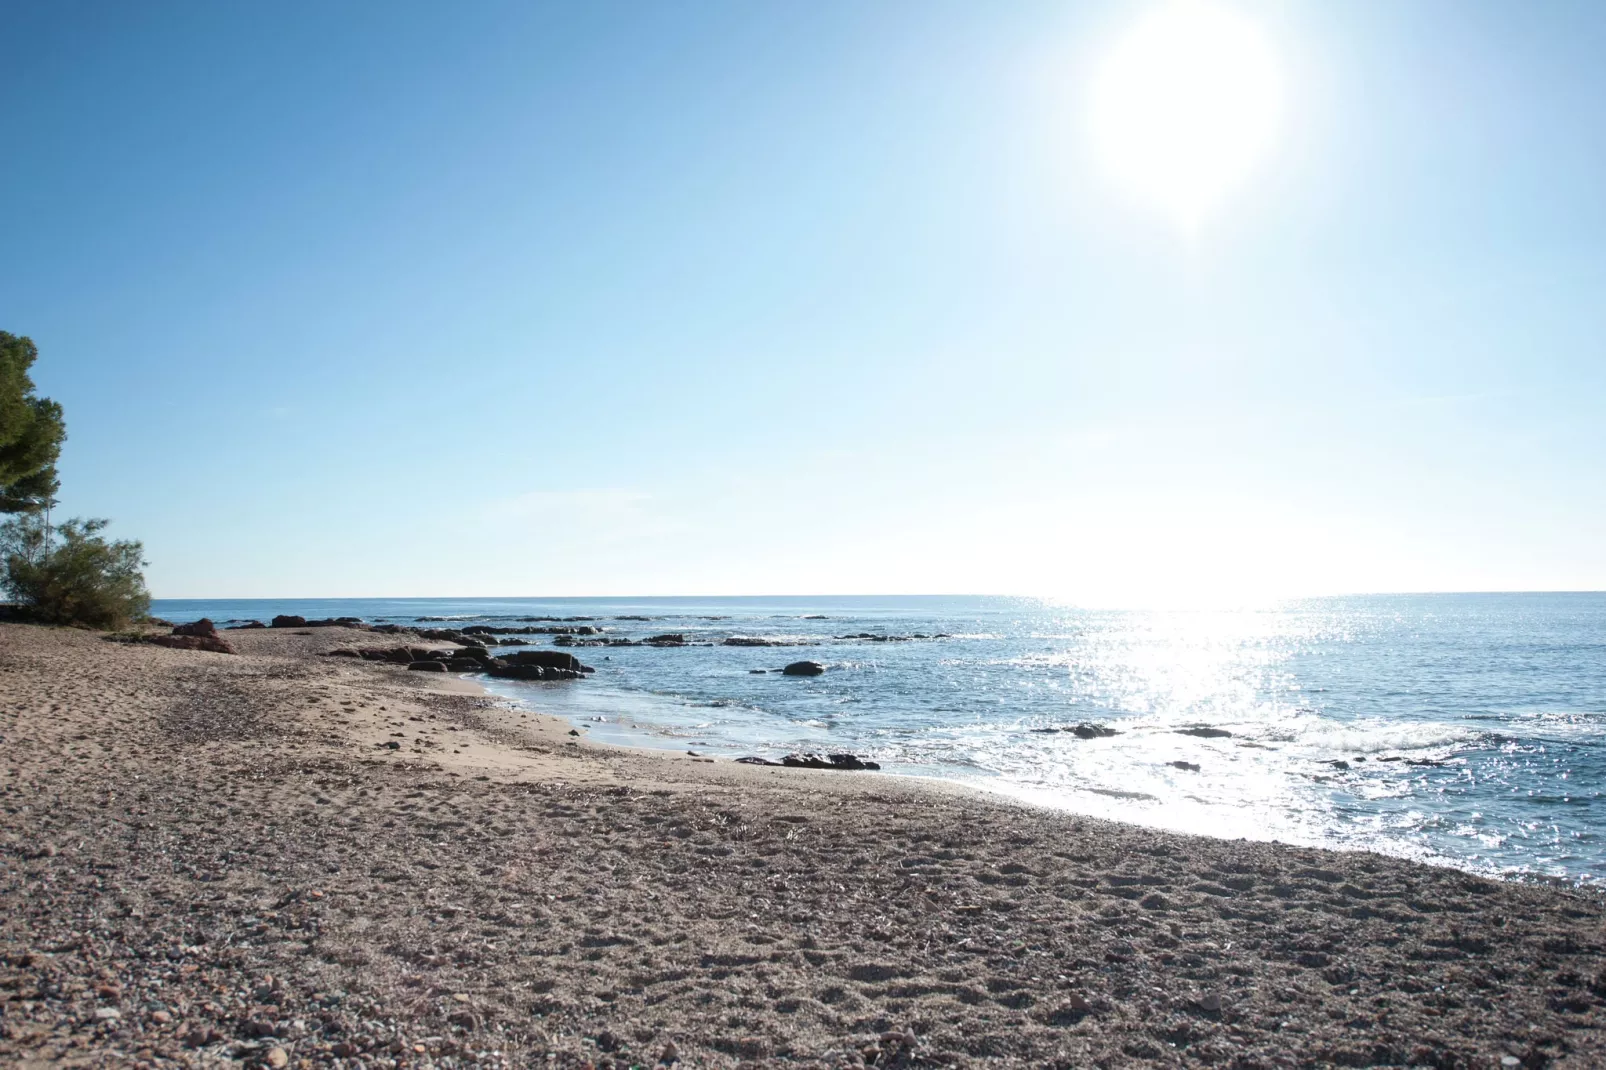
<point>283,859</point>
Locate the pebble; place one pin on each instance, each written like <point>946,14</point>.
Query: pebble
<point>108,1014</point>
<point>277,1058</point>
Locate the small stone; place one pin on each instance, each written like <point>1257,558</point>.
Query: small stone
<point>343,1049</point>
<point>461,997</point>
<point>1209,1002</point>
<point>108,1014</point>
<point>670,1054</point>
<point>108,992</point>
<point>277,1058</point>
<point>1510,1060</point>
<point>161,1017</point>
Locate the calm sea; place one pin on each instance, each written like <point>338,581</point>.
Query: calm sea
<point>1465,729</point>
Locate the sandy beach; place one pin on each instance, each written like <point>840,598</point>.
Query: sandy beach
<point>283,859</point>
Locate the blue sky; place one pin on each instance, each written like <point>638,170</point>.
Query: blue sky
<point>510,299</point>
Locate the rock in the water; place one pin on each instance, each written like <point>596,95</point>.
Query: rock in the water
<point>1187,766</point>
<point>244,625</point>
<point>285,620</point>
<point>672,639</point>
<point>202,627</point>
<point>829,761</point>
<point>552,659</point>
<point>804,668</point>
<point>1093,731</point>
<point>1085,730</point>
<point>1205,733</point>
<point>428,666</point>
<point>755,761</point>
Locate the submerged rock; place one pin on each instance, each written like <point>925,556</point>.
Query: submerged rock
<point>1203,732</point>
<point>804,668</point>
<point>1186,766</point>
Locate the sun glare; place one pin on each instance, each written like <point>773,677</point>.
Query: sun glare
<point>1185,105</point>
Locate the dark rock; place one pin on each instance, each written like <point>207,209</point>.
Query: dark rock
<point>428,666</point>
<point>244,625</point>
<point>344,654</point>
<point>756,761</point>
<point>1085,730</point>
<point>555,659</point>
<point>479,629</point>
<point>1340,764</point>
<point>533,672</point>
<point>1188,766</point>
<point>829,761</point>
<point>203,627</point>
<point>464,665</point>
<point>757,672</point>
<point>672,639</point>
<point>804,668</point>
<point>209,643</point>
<point>284,620</point>
<point>1205,733</point>
<point>742,640</point>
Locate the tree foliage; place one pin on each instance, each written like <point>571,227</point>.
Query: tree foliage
<point>31,432</point>
<point>73,575</point>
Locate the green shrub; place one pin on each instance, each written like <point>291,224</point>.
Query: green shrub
<point>73,576</point>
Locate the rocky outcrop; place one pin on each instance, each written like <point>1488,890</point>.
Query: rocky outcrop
<point>828,761</point>
<point>286,620</point>
<point>427,666</point>
<point>804,668</point>
<point>671,639</point>
<point>202,627</point>
<point>244,625</point>
<point>212,643</point>
<point>551,659</point>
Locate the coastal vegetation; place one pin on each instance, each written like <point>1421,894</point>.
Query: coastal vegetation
<point>66,574</point>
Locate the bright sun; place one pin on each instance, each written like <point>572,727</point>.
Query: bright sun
<point>1185,105</point>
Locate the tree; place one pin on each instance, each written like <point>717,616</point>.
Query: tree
<point>31,432</point>
<point>73,575</point>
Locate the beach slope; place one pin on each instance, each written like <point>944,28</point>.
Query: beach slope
<point>284,859</point>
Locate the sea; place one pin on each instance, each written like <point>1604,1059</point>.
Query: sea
<point>1467,730</point>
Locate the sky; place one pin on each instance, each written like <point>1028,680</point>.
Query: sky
<point>511,299</point>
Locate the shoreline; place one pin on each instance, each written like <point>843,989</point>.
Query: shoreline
<point>213,856</point>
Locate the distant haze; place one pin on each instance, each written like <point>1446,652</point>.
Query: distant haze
<point>511,299</point>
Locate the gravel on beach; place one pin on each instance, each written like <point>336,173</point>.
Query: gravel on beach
<point>278,859</point>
